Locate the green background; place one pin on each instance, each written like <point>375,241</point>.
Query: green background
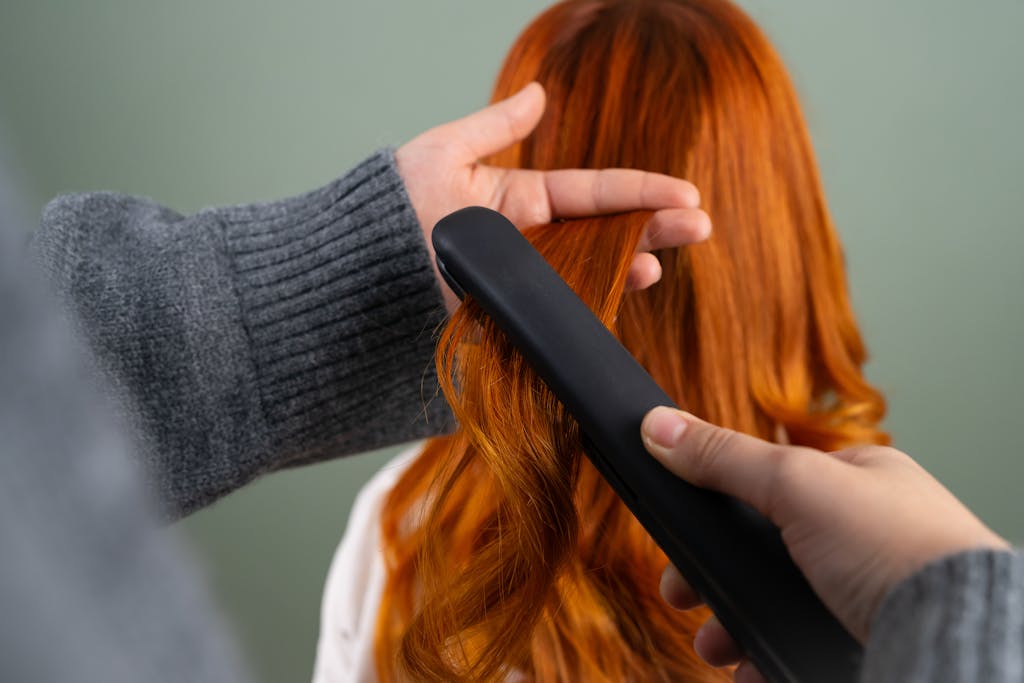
<point>914,106</point>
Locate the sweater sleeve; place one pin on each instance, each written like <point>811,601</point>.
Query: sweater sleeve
<point>245,339</point>
<point>960,619</point>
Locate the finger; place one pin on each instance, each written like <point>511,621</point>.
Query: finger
<point>576,192</point>
<point>760,473</point>
<point>715,646</point>
<point>494,128</point>
<point>670,228</point>
<point>676,591</point>
<point>644,271</point>
<point>746,672</point>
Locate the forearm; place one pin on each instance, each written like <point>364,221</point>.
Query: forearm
<point>245,339</point>
<point>959,619</point>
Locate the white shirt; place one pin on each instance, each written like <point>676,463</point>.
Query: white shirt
<point>355,583</point>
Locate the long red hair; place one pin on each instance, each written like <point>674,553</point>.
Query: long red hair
<point>507,554</point>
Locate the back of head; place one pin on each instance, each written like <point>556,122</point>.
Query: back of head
<point>521,558</point>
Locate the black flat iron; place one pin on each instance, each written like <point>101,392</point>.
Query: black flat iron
<point>733,557</point>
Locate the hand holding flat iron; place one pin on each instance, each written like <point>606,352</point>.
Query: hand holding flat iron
<point>856,522</point>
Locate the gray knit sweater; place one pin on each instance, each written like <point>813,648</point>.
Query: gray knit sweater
<point>239,341</point>
<point>246,339</point>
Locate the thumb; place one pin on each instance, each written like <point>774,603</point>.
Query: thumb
<point>494,128</point>
<point>759,473</point>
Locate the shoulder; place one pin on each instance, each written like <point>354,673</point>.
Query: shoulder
<point>355,582</point>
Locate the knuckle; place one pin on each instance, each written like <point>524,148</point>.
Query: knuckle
<point>887,452</point>
<point>791,468</point>
<point>708,454</point>
<point>887,455</point>
<point>789,465</point>
<point>513,126</point>
<point>597,190</point>
<point>871,454</point>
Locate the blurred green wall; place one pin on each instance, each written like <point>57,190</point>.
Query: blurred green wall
<point>914,108</point>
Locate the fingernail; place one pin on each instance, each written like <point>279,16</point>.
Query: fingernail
<point>663,427</point>
<point>700,639</point>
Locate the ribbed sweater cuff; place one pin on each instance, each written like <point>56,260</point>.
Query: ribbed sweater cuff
<point>340,303</point>
<point>960,618</point>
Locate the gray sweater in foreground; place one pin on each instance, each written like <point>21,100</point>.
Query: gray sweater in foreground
<point>243,340</point>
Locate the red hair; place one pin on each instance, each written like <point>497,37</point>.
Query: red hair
<point>505,550</point>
